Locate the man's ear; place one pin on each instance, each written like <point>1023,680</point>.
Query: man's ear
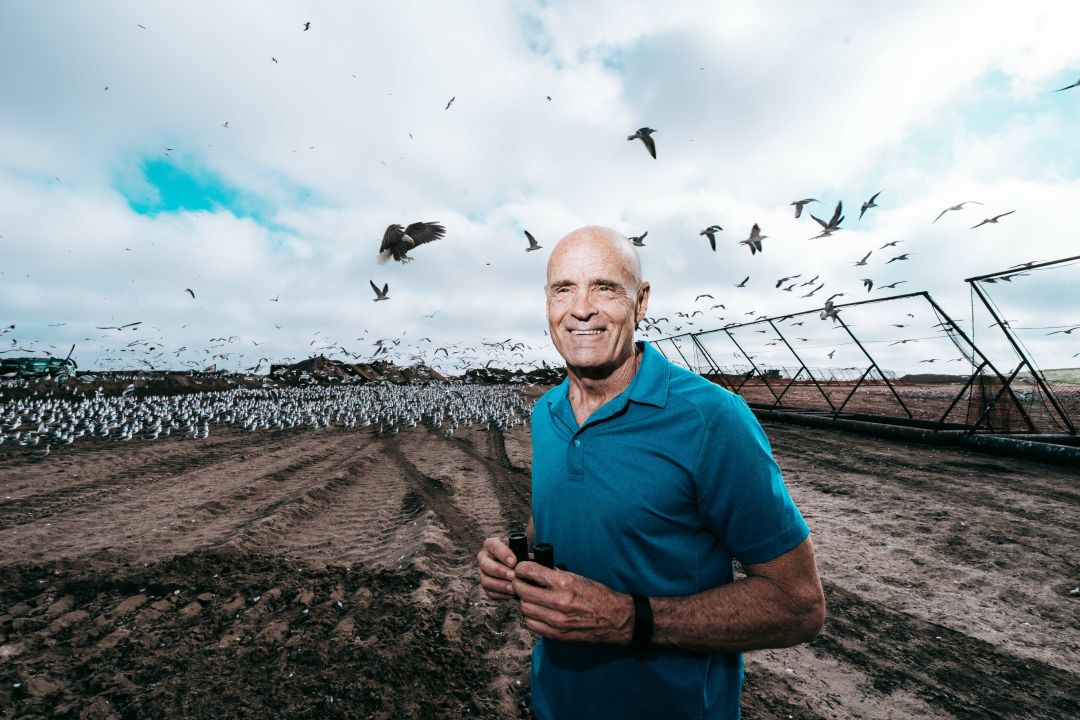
<point>643,301</point>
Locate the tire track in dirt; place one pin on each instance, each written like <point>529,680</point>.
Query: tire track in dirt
<point>462,529</point>
<point>512,486</point>
<point>173,458</point>
<point>951,671</point>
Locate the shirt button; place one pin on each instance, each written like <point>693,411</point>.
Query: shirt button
<point>577,443</point>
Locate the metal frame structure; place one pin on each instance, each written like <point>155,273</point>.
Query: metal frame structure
<point>1025,359</point>
<point>836,411</point>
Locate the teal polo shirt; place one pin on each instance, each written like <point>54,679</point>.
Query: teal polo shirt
<point>655,493</point>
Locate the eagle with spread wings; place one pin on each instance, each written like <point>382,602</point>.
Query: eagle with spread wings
<point>397,241</point>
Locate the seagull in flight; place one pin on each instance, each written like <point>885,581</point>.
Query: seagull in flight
<point>1075,84</point>
<point>450,103</point>
<point>894,243</point>
<point>754,241</point>
<point>957,207</point>
<point>898,257</point>
<point>993,219</point>
<point>639,240</point>
<point>380,294</point>
<point>783,280</point>
<point>190,292</point>
<point>307,26</point>
<point>120,327</point>
<point>644,135</point>
<point>743,283</point>
<point>397,241</point>
<point>800,203</point>
<point>892,285</point>
<point>533,245</point>
<point>868,284</point>
<point>869,204</point>
<point>704,295</point>
<point>834,223</point>
<point>1066,332</point>
<point>863,261</point>
<point>710,232</point>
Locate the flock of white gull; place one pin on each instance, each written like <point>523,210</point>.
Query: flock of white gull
<point>40,423</point>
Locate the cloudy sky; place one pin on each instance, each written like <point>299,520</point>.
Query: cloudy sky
<point>151,147</point>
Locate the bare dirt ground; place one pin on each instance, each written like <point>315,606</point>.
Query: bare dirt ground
<point>329,573</point>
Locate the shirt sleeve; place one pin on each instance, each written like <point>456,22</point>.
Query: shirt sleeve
<point>741,492</point>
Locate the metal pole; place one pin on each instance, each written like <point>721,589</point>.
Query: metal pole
<point>874,365</point>
<point>1025,360</point>
<point>803,365</point>
<point>752,364</point>
<point>955,400</point>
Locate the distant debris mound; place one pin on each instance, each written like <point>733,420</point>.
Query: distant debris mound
<point>321,370</point>
<point>501,376</point>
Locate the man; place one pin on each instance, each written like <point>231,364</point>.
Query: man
<point>648,480</point>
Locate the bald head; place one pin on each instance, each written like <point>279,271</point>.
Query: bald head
<point>602,244</point>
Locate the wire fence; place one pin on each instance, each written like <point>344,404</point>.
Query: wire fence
<point>904,359</point>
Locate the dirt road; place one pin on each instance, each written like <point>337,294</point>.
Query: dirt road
<point>329,573</point>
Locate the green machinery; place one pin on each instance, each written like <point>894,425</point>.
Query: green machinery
<point>38,367</point>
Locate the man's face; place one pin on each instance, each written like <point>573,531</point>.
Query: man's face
<point>593,305</point>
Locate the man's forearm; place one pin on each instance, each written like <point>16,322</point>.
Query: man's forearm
<point>748,614</point>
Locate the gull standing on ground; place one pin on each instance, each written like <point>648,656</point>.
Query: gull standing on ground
<point>956,207</point>
<point>993,219</point>
<point>643,134</point>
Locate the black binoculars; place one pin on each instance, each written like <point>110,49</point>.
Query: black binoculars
<point>543,553</point>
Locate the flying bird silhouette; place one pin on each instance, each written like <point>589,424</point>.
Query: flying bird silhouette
<point>190,292</point>
<point>799,205</point>
<point>450,103</point>
<point>397,241</point>
<point>956,207</point>
<point>993,219</point>
<point>898,257</point>
<point>644,135</point>
<point>743,283</point>
<point>533,245</point>
<point>863,261</point>
<point>1075,84</point>
<point>868,284</point>
<point>710,232</point>
<point>639,240</point>
<point>380,294</point>
<point>869,204</point>
<point>783,280</point>
<point>307,26</point>
<point>754,241</point>
<point>828,228</point>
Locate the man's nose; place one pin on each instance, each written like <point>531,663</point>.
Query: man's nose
<point>582,307</point>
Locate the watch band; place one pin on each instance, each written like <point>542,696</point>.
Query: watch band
<point>643,622</point>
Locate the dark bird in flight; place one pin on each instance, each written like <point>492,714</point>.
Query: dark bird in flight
<point>120,327</point>
<point>710,232</point>
<point>225,124</point>
<point>957,207</point>
<point>450,103</point>
<point>397,241</point>
<point>1075,84</point>
<point>743,283</point>
<point>799,205</point>
<point>863,261</point>
<point>894,243</point>
<point>869,204</point>
<point>275,298</point>
<point>307,26</point>
<point>811,293</point>
<point>1066,332</point>
<point>898,257</point>
<point>380,294</point>
<point>754,241</point>
<point>274,59</point>
<point>142,26</point>
<point>830,311</point>
<point>993,219</point>
<point>190,292</point>
<point>868,284</point>
<point>833,225</point>
<point>783,280</point>
<point>639,240</point>
<point>548,98</point>
<point>533,245</point>
<point>892,285</point>
<point>704,295</point>
<point>643,134</point>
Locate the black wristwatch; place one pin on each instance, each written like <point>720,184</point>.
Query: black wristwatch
<point>643,622</point>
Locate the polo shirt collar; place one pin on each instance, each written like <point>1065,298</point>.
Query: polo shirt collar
<point>649,386</point>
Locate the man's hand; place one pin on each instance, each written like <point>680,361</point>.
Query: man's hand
<point>496,564</point>
<point>564,606</point>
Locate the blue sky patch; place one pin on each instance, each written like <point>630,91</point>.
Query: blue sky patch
<point>161,186</point>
